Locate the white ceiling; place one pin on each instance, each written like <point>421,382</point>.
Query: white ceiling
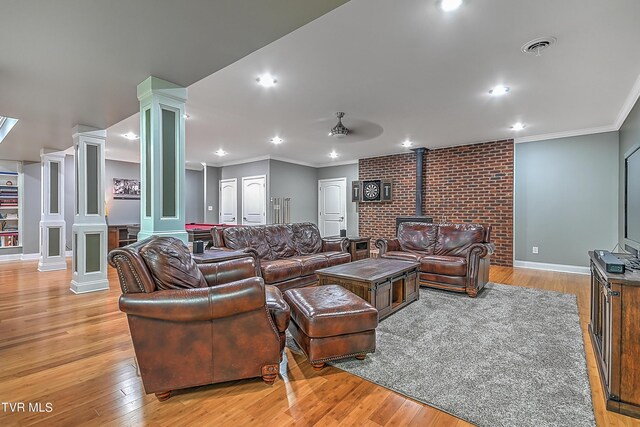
<point>69,62</point>
<point>401,69</point>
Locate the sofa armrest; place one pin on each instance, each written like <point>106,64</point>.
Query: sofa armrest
<point>476,252</point>
<point>278,307</point>
<point>340,245</point>
<point>480,250</point>
<point>386,245</point>
<point>198,304</point>
<point>229,270</point>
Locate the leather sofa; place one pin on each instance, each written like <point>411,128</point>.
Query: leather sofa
<point>194,324</point>
<point>289,254</point>
<point>455,257</point>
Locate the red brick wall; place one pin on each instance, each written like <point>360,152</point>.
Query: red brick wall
<point>469,183</point>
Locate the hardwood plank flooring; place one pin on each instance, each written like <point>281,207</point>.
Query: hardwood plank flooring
<point>74,352</point>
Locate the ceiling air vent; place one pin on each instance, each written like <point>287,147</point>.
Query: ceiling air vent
<point>538,45</point>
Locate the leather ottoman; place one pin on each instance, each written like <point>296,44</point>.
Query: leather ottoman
<point>330,322</point>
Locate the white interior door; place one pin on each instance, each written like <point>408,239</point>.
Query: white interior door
<point>228,201</point>
<point>332,206</point>
<point>254,200</point>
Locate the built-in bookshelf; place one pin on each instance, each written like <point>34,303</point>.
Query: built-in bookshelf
<point>10,204</point>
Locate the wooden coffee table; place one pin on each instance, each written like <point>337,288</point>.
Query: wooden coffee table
<point>387,284</point>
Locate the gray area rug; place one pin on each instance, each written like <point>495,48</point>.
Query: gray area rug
<point>512,356</point>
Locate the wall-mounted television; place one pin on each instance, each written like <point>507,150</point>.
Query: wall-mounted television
<point>632,196</point>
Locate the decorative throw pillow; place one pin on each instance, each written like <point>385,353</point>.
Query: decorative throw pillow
<point>171,264</point>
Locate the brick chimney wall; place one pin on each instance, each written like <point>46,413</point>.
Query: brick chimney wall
<point>468,183</point>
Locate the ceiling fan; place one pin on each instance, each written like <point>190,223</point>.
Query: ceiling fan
<point>339,130</point>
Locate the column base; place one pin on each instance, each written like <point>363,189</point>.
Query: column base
<point>90,286</point>
<point>52,266</point>
<point>182,235</point>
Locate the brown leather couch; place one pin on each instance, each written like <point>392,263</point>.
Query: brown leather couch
<point>454,257</point>
<point>289,254</point>
<point>198,324</point>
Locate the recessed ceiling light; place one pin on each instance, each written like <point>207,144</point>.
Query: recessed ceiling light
<point>266,80</point>
<point>407,143</point>
<point>277,140</point>
<point>220,153</point>
<point>449,5</point>
<point>130,136</point>
<point>499,90</point>
<point>518,126</point>
<point>333,154</point>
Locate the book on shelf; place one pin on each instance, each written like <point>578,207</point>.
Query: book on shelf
<point>9,241</point>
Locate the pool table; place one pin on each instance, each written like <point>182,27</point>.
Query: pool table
<point>196,231</point>
<point>202,232</point>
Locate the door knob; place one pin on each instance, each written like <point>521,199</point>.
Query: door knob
<point>341,218</point>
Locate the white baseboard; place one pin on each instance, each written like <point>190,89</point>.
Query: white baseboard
<point>10,257</point>
<point>28,257</point>
<point>552,267</point>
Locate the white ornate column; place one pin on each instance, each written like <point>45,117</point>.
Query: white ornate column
<point>162,164</point>
<point>89,239</point>
<point>52,224</point>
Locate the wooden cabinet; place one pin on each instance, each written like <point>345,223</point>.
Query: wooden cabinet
<point>359,247</point>
<point>119,236</point>
<point>614,328</point>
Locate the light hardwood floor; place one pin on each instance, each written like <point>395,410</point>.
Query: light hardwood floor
<point>74,352</point>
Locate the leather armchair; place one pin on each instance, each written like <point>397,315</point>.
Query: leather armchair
<point>194,324</point>
<point>455,257</point>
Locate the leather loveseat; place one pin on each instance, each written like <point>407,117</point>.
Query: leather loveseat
<point>194,324</point>
<point>454,257</point>
<point>289,254</point>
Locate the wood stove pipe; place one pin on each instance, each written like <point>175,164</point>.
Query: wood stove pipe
<point>419,172</point>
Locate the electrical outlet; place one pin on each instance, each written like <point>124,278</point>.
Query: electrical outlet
<point>209,208</point>
<point>535,250</point>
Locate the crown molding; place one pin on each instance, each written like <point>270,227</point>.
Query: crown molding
<point>628,105</point>
<point>566,134</point>
<point>265,157</point>
<point>343,163</point>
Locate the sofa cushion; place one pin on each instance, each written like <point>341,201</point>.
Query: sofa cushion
<point>248,237</point>
<point>306,237</point>
<point>311,263</point>
<point>417,236</point>
<point>447,265</point>
<point>280,239</point>
<point>337,258</point>
<point>278,270</point>
<point>171,265</point>
<point>455,239</point>
<point>409,256</point>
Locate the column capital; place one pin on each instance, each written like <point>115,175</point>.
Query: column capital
<point>49,152</point>
<point>155,86</point>
<point>83,130</point>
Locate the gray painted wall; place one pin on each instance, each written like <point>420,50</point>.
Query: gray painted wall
<point>629,137</point>
<point>194,200</point>
<point>298,183</point>
<point>566,198</point>
<point>121,211</point>
<point>244,170</point>
<point>31,209</point>
<point>351,173</point>
<point>212,192</point>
